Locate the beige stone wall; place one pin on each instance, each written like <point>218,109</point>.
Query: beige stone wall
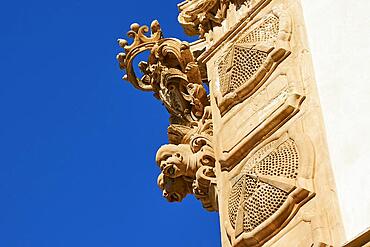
<point>339,38</point>
<point>255,148</point>
<point>254,118</point>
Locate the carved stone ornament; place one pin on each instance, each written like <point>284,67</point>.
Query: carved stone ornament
<point>266,190</point>
<point>172,73</point>
<point>255,54</point>
<point>200,16</point>
<point>189,165</point>
<point>254,147</point>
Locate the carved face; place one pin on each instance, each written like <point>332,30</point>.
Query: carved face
<point>174,189</point>
<point>172,160</point>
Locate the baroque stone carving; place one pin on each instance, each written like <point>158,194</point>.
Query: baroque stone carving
<point>200,16</point>
<point>174,76</point>
<point>261,125</point>
<point>249,62</point>
<point>190,165</point>
<point>171,72</point>
<point>266,192</point>
<point>254,148</point>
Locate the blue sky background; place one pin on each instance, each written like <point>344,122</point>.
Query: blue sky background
<point>77,144</point>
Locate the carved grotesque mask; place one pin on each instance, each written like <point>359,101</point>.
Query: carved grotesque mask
<point>172,160</point>
<point>174,189</point>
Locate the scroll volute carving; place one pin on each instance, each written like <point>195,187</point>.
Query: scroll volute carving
<point>171,72</point>
<point>199,16</point>
<point>189,164</point>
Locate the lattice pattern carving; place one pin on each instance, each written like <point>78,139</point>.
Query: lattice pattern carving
<point>263,202</point>
<point>252,57</point>
<point>258,199</point>
<point>245,60</point>
<point>234,200</point>
<point>268,30</point>
<point>245,64</point>
<point>282,162</point>
<point>224,71</point>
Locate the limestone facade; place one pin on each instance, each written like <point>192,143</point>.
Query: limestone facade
<point>246,135</point>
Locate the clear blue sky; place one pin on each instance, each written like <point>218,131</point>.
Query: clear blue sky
<point>77,144</point>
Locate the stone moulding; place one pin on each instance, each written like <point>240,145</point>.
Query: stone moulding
<point>204,188</point>
<point>274,58</point>
<point>290,107</point>
<point>273,43</point>
<point>286,181</point>
<point>253,148</point>
<point>297,198</point>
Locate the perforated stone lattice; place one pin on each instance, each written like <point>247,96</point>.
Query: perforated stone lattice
<point>234,200</point>
<point>281,162</point>
<point>223,67</point>
<point>246,62</point>
<point>268,30</point>
<point>264,201</point>
<point>258,199</point>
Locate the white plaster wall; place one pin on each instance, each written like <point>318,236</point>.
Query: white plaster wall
<point>339,37</point>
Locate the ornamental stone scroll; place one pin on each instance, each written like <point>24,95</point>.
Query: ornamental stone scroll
<point>245,132</point>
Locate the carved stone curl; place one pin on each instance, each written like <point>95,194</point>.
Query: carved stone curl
<point>174,189</point>
<point>189,165</point>
<point>200,16</point>
<point>171,72</point>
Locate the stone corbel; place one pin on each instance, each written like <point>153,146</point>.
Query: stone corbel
<point>190,164</point>
<point>204,188</point>
<point>171,72</point>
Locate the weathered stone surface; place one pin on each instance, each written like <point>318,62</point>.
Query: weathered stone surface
<point>254,147</point>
